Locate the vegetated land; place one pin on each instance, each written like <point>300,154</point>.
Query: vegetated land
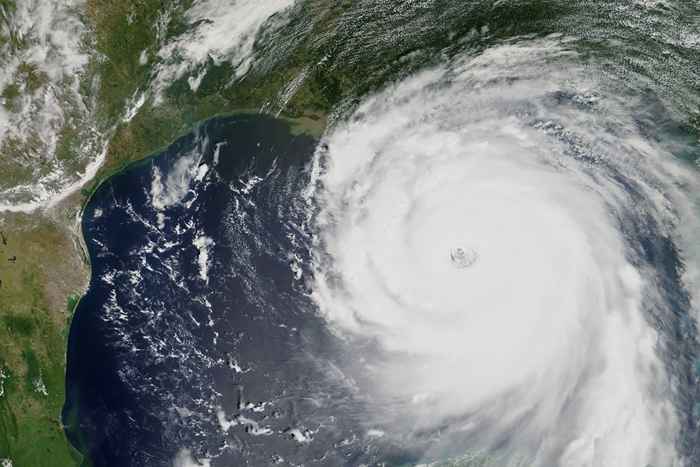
<point>41,272</point>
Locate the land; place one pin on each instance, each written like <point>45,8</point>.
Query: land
<point>42,272</point>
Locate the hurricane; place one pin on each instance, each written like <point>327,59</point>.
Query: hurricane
<point>504,245</point>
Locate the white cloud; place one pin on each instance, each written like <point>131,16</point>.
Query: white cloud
<point>184,458</point>
<point>52,51</point>
<point>542,341</point>
<point>221,30</point>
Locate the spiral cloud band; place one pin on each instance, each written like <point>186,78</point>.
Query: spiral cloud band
<point>480,247</point>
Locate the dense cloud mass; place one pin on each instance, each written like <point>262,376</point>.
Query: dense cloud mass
<point>497,240</point>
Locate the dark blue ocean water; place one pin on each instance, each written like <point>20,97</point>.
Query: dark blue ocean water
<point>228,362</point>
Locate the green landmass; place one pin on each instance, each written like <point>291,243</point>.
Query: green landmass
<point>38,269</point>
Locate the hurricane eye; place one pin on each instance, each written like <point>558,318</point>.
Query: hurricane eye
<point>462,258</point>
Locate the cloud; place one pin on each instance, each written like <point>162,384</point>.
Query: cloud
<point>184,459</point>
<point>220,30</point>
<point>540,349</point>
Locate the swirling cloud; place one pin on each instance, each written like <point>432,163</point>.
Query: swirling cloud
<point>478,247</point>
